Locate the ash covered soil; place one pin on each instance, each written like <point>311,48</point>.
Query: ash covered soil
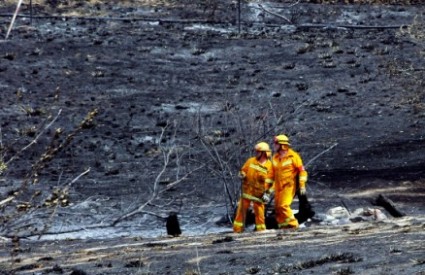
<point>161,102</point>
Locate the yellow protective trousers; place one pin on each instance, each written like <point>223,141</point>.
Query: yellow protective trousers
<point>283,199</point>
<point>243,205</point>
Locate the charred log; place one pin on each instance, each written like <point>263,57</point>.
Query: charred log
<point>389,205</point>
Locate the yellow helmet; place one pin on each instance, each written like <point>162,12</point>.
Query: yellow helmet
<point>262,147</point>
<point>281,139</point>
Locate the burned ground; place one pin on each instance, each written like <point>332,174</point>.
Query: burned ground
<point>177,94</point>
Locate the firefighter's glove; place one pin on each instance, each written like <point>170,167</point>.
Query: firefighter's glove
<point>242,175</point>
<point>265,198</point>
<point>303,191</point>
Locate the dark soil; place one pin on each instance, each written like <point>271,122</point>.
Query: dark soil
<point>177,93</point>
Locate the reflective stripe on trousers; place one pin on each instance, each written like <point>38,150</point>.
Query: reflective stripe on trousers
<point>251,197</point>
<point>288,222</point>
<point>260,227</point>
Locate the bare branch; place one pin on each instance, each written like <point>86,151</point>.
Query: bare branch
<point>13,18</point>
<point>49,223</point>
<point>321,153</point>
<point>6,200</point>
<point>329,25</point>
<point>140,210</point>
<point>35,139</point>
<point>77,178</point>
<point>174,183</point>
<point>166,153</point>
<point>275,14</point>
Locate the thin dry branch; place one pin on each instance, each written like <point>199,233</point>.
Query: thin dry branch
<point>47,156</point>
<point>275,14</point>
<point>166,152</point>
<point>34,141</point>
<point>288,6</point>
<point>49,223</point>
<point>13,18</point>
<point>330,25</point>
<point>166,156</point>
<point>333,26</point>
<point>8,199</point>
<point>154,196</point>
<point>217,159</point>
<point>320,154</point>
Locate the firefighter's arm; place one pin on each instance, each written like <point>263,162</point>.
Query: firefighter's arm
<point>302,180</point>
<point>269,184</point>
<point>244,170</point>
<point>303,175</point>
<point>270,180</point>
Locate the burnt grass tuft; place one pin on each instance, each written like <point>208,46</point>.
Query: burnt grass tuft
<point>135,263</point>
<point>344,257</point>
<point>224,240</point>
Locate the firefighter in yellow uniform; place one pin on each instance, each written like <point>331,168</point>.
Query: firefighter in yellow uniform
<point>257,183</point>
<point>287,166</point>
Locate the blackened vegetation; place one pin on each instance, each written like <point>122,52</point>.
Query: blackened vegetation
<point>78,272</point>
<point>224,240</point>
<point>28,267</point>
<point>155,245</point>
<point>135,263</point>
<point>339,257</point>
<point>345,271</point>
<point>57,269</point>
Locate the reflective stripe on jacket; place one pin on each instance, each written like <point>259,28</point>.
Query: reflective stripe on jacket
<point>258,177</point>
<point>286,169</point>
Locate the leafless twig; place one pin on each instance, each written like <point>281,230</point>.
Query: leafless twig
<point>321,153</point>
<point>166,152</point>
<point>275,14</point>
<point>49,223</point>
<point>154,196</point>
<point>13,18</point>
<point>35,139</point>
<point>330,25</point>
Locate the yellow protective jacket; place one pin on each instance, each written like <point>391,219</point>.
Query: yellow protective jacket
<point>258,178</point>
<point>286,169</point>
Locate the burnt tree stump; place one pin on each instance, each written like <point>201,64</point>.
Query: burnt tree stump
<point>172,224</point>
